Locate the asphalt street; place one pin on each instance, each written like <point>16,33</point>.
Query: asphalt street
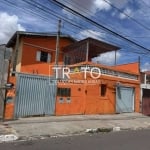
<point>123,140</point>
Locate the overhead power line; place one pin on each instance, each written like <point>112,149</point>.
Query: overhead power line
<point>76,4</point>
<point>52,12</point>
<point>69,30</point>
<point>83,9</point>
<point>98,24</point>
<point>148,5</point>
<point>138,36</point>
<point>27,11</point>
<point>46,10</point>
<point>127,15</point>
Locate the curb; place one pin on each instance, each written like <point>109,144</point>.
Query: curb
<point>13,137</point>
<point>8,138</point>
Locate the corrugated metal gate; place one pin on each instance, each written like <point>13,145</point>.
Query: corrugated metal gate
<point>124,99</point>
<point>35,95</point>
<point>146,102</point>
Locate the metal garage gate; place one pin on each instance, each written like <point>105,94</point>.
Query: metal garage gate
<point>35,95</point>
<point>124,99</point>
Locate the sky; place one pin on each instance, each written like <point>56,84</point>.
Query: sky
<point>129,18</point>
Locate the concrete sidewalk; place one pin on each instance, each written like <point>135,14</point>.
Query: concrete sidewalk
<point>35,127</point>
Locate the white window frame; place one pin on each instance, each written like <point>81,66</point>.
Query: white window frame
<point>38,56</point>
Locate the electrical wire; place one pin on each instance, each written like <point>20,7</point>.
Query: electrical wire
<point>127,15</point>
<point>85,11</point>
<point>77,6</point>
<point>82,28</point>
<point>98,25</point>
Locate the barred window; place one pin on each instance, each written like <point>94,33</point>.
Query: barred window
<point>64,92</point>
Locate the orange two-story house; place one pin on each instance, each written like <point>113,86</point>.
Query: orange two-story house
<point>38,92</point>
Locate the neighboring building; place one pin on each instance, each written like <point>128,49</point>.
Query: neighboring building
<point>4,64</point>
<point>38,92</point>
<point>145,92</point>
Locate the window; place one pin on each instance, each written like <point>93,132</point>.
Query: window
<point>148,79</point>
<point>103,89</point>
<point>67,60</point>
<point>64,92</point>
<point>43,56</point>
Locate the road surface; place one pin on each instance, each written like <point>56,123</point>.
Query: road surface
<point>124,140</point>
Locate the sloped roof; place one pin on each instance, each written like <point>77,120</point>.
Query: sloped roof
<point>12,40</point>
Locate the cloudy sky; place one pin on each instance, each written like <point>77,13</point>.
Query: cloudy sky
<point>129,18</point>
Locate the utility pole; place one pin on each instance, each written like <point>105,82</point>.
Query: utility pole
<point>57,49</point>
<point>139,61</point>
<point>15,54</point>
<point>57,43</point>
<point>87,51</point>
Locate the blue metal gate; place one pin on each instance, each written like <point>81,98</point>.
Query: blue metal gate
<point>124,99</point>
<point>35,95</point>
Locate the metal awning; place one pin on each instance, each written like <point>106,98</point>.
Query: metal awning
<point>89,48</point>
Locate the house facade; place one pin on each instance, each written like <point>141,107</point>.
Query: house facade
<point>115,91</point>
<point>33,53</point>
<point>41,89</point>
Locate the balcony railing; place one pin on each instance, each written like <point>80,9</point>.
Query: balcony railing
<point>106,71</point>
